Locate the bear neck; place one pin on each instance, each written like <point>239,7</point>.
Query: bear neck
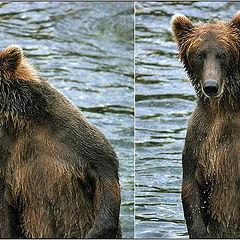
<point>226,103</point>
<point>12,108</point>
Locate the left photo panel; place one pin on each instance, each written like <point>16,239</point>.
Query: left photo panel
<point>67,120</point>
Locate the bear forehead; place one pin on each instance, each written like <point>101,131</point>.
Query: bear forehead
<point>217,30</point>
<point>217,35</point>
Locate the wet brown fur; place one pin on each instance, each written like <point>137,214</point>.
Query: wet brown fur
<point>58,173</point>
<point>211,156</point>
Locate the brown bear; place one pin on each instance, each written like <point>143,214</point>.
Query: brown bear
<point>58,173</point>
<point>211,154</point>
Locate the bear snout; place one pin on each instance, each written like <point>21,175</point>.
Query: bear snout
<point>211,88</point>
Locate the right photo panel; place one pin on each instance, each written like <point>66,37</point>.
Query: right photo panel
<point>187,172</point>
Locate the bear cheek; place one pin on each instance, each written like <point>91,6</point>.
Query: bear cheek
<point>195,66</point>
<point>232,63</point>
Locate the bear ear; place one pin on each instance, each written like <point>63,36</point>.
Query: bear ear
<point>236,19</point>
<point>10,58</point>
<point>181,26</point>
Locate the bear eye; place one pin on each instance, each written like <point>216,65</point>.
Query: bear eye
<point>222,55</point>
<point>200,57</point>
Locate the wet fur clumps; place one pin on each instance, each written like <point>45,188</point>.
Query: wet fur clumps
<point>191,38</point>
<point>58,173</point>
<point>211,155</point>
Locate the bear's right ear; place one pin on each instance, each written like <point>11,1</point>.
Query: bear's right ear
<point>10,58</point>
<point>181,26</point>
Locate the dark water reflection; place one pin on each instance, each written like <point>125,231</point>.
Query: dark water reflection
<point>164,102</point>
<point>86,51</point>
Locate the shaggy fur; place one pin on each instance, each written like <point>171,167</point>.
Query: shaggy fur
<point>211,155</point>
<point>58,173</point>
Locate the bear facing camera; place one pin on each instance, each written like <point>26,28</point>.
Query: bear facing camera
<point>211,156</point>
<point>58,173</point>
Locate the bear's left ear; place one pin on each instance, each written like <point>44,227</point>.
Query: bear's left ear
<point>10,58</point>
<point>236,20</point>
<point>181,26</point>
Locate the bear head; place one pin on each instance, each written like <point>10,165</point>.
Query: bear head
<point>210,54</point>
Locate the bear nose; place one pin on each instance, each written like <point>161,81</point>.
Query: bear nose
<point>210,87</point>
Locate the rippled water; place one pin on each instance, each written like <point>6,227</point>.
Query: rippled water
<point>86,51</point>
<point>164,102</point>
